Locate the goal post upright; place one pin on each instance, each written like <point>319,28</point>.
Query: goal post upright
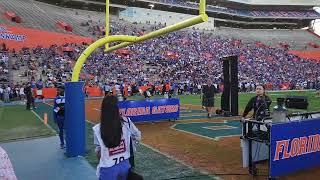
<point>74,90</point>
<point>107,24</point>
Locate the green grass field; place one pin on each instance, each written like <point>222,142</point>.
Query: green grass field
<point>18,123</point>
<point>314,102</point>
<point>154,166</point>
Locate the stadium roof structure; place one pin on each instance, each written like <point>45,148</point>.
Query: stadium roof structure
<point>267,4</point>
<point>103,3</point>
<point>279,2</point>
<point>230,13</point>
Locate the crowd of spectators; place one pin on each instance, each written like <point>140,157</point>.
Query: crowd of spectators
<point>185,59</point>
<point>4,66</point>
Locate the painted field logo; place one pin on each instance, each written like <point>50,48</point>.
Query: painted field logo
<point>211,130</point>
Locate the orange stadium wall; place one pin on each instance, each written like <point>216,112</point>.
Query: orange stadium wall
<point>315,55</point>
<point>18,37</point>
<point>144,88</point>
<point>93,91</point>
<point>48,93</point>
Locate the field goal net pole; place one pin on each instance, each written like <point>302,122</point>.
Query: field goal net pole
<point>74,90</point>
<point>107,24</point>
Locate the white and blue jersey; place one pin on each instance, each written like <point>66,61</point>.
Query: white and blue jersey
<point>111,157</point>
<point>58,107</point>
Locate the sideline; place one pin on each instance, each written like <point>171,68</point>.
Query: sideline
<point>41,119</point>
<point>85,120</point>
<point>153,149</point>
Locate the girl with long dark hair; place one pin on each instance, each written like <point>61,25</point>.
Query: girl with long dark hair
<point>112,138</point>
<point>259,103</point>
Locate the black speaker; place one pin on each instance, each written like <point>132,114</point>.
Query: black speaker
<point>225,97</point>
<point>229,99</point>
<point>234,86</point>
<point>297,102</point>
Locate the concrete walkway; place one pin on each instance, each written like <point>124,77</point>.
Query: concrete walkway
<point>43,159</point>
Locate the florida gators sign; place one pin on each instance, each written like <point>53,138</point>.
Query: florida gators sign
<point>294,146</point>
<point>150,110</point>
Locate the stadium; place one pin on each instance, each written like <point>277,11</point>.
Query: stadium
<point>218,89</point>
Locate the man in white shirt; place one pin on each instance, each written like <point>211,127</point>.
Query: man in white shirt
<point>117,86</point>
<point>199,88</point>
<point>21,93</point>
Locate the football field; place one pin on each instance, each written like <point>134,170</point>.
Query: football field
<point>193,147</point>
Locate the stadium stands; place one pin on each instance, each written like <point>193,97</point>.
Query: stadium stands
<point>296,39</point>
<point>244,15</point>
<point>64,26</point>
<point>43,16</point>
<point>12,17</point>
<point>4,67</point>
<point>180,58</point>
<point>276,14</point>
<point>140,15</point>
<point>51,14</point>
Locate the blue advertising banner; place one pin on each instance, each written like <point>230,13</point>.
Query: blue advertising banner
<point>294,146</point>
<point>150,110</point>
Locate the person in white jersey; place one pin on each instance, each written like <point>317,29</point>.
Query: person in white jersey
<point>112,139</point>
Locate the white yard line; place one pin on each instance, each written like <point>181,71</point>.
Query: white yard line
<point>172,127</point>
<point>215,139</point>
